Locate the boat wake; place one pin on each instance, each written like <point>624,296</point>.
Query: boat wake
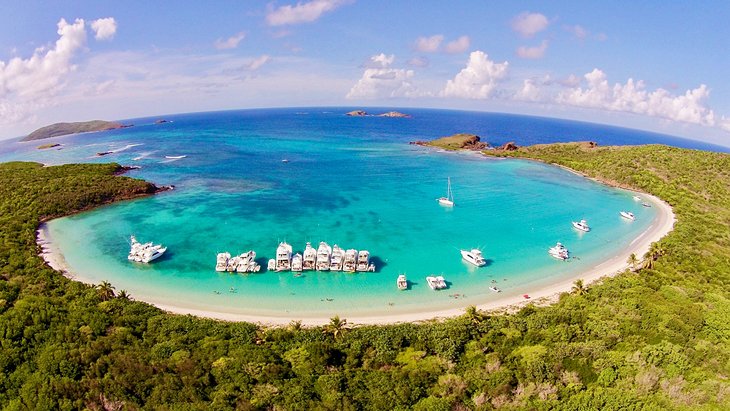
<point>125,148</point>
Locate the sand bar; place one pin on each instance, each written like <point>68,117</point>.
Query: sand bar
<point>661,226</point>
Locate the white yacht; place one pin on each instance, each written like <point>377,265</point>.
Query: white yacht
<point>436,283</point>
<point>363,260</point>
<point>646,204</point>
<point>144,253</point>
<point>495,289</point>
<point>627,215</point>
<point>283,257</point>
<point>221,262</point>
<point>233,264</point>
<point>309,260</point>
<point>447,201</point>
<point>473,256</point>
<point>247,263</point>
<point>271,266</point>
<point>402,282</point>
<point>349,263</point>
<point>637,198</point>
<point>559,251</point>
<point>324,255</point>
<point>582,225</point>
<point>296,263</point>
<point>338,257</point>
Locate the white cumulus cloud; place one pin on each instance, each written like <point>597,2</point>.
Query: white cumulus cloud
<point>382,81</point>
<point>229,43</point>
<point>528,24</point>
<point>303,12</point>
<point>105,28</point>
<point>29,84</point>
<point>533,52</point>
<point>478,79</point>
<point>633,97</point>
<point>530,91</point>
<point>429,44</point>
<point>459,45</point>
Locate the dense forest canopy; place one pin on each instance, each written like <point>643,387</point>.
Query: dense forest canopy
<point>656,338</point>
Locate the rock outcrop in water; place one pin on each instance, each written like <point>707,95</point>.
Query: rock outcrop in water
<point>363,113</point>
<point>62,129</point>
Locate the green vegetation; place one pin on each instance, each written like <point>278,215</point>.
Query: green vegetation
<point>458,142</point>
<point>62,129</point>
<point>655,339</point>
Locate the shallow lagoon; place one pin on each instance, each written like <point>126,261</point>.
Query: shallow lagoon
<point>354,182</point>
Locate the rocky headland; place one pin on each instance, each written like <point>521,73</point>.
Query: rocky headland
<point>62,129</point>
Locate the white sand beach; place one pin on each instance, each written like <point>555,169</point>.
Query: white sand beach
<point>661,226</point>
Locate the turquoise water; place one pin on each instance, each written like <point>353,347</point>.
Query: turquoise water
<point>354,182</point>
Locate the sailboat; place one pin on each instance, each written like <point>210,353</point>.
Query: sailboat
<point>447,201</point>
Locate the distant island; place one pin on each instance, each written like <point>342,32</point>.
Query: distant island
<point>363,113</point>
<point>62,129</point>
<point>460,141</point>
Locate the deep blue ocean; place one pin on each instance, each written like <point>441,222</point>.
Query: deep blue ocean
<point>351,181</point>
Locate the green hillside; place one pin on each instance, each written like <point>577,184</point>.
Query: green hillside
<point>655,339</point>
<point>62,129</point>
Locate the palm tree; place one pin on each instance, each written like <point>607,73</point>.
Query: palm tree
<point>106,291</point>
<point>579,288</point>
<point>124,295</point>
<point>655,251</point>
<point>337,327</point>
<point>295,326</point>
<point>473,315</point>
<point>633,260</point>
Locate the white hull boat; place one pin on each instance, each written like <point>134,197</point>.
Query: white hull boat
<point>447,201</point>
<point>283,257</point>
<point>473,256</point>
<point>324,256</point>
<point>144,253</point>
<point>296,263</point>
<point>338,257</point>
<point>436,283</point>
<point>309,260</point>
<point>628,215</point>
<point>402,282</point>
<point>581,225</point>
<point>559,251</point>
<point>349,263</point>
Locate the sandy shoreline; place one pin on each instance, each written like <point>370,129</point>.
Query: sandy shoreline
<point>661,226</point>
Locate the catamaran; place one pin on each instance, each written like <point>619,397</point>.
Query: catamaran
<point>581,225</point>
<point>436,283</point>
<point>473,256</point>
<point>447,201</point>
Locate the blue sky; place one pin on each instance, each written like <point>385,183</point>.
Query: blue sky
<point>652,65</point>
